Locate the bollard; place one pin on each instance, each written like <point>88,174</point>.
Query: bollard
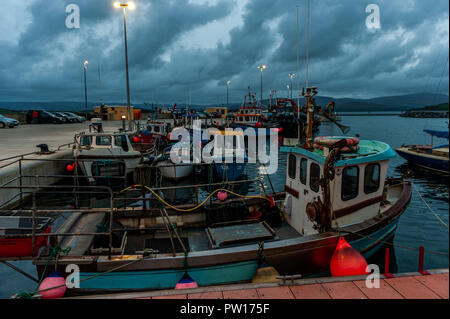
<point>387,274</point>
<point>421,258</point>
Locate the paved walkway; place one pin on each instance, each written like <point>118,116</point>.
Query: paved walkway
<point>402,286</point>
<point>24,138</point>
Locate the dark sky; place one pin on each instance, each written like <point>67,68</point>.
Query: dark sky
<point>179,48</point>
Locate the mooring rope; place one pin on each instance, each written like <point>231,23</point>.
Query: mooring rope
<point>199,205</point>
<point>431,210</point>
<point>388,243</point>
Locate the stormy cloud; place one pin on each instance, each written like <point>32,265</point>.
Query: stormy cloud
<point>183,48</point>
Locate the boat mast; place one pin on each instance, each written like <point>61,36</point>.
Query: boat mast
<point>310,91</point>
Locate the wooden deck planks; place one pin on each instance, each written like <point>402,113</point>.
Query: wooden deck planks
<point>437,283</point>
<point>344,290</point>
<point>385,291</point>
<point>281,292</point>
<point>411,288</point>
<point>314,291</point>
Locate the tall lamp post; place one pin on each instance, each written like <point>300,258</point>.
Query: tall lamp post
<point>228,84</point>
<point>85,63</point>
<point>261,68</point>
<point>291,76</point>
<point>124,6</point>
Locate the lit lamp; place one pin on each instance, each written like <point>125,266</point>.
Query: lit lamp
<point>85,63</point>
<point>291,76</point>
<point>131,6</point>
<point>261,68</point>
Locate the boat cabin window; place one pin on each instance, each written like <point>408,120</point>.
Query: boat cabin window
<point>247,119</point>
<point>292,163</point>
<point>156,129</point>
<point>103,140</point>
<point>371,178</point>
<point>350,181</point>
<point>86,140</point>
<point>314,176</point>
<point>303,170</point>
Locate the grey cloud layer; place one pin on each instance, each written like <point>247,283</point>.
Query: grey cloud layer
<point>345,58</point>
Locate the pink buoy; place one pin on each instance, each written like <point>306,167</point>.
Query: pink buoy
<point>222,195</point>
<point>186,282</point>
<point>55,279</point>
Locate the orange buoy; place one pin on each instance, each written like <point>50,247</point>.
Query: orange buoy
<point>55,279</point>
<point>347,261</point>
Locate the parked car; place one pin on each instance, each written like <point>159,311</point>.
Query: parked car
<point>77,118</point>
<point>7,122</point>
<point>43,116</point>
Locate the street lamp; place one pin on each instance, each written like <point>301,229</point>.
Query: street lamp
<point>261,68</point>
<point>228,84</point>
<point>291,76</point>
<point>85,63</point>
<point>131,6</point>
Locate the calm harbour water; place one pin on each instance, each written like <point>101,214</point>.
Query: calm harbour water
<point>417,226</point>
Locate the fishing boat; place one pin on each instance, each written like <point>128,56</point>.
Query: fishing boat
<point>229,165</point>
<point>151,135</point>
<point>250,114</point>
<point>332,190</point>
<point>174,171</point>
<point>427,156</point>
<point>292,120</point>
<point>103,154</point>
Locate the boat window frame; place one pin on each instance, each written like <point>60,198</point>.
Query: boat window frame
<point>357,182</point>
<point>289,166</point>
<point>378,180</point>
<point>99,137</point>
<point>303,160</point>
<point>82,139</point>
<point>315,190</point>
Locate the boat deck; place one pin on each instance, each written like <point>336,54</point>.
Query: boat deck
<point>402,286</point>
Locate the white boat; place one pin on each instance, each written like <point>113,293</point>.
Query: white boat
<point>104,150</point>
<point>174,171</point>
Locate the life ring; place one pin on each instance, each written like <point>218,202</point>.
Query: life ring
<point>330,140</point>
<point>345,149</point>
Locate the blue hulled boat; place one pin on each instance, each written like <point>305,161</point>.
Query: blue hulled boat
<point>427,156</point>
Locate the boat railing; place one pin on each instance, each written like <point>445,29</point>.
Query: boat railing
<point>115,204</point>
<point>147,199</point>
<point>22,175</point>
<point>54,236</point>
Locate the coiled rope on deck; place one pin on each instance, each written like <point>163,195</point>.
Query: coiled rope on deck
<point>199,205</point>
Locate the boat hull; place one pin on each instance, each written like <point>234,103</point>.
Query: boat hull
<point>305,255</point>
<point>230,171</point>
<point>437,163</point>
<point>175,172</point>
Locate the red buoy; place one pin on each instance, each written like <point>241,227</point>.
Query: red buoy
<point>347,261</point>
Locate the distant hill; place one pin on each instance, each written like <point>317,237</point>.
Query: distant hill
<point>385,103</point>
